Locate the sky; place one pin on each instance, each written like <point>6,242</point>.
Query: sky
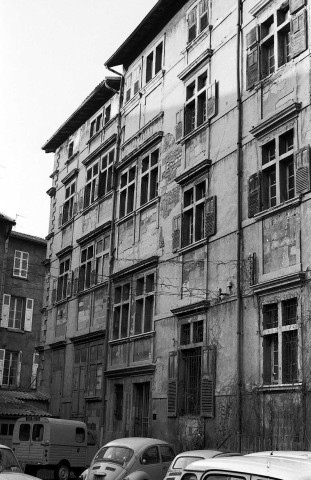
<point>52,55</point>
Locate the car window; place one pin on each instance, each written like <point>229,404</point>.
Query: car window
<point>150,456</point>
<point>91,440</point>
<point>167,453</point>
<point>37,432</point>
<point>114,454</point>
<point>24,432</point>
<point>182,462</point>
<point>8,461</point>
<point>80,435</point>
<point>225,476</point>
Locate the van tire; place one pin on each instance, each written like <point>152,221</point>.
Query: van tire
<point>62,471</point>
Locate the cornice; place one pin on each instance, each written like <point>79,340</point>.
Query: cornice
<point>280,283</point>
<point>70,176</point>
<point>59,344</point>
<point>94,233</point>
<point>195,64</point>
<point>88,337</point>
<point>64,251</point>
<point>132,370</point>
<point>142,265</point>
<point>191,308</point>
<point>100,149</point>
<point>275,120</point>
<point>189,175</point>
<point>51,192</point>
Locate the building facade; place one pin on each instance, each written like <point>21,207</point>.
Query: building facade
<point>177,302</point>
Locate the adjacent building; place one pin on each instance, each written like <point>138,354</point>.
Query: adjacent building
<point>177,300</point>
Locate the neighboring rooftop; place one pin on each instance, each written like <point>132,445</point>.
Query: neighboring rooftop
<point>99,96</point>
<point>30,238</point>
<point>5,218</point>
<point>18,403</point>
<point>145,32</point>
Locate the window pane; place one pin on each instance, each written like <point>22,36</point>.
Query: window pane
<point>270,316</point>
<point>290,354</point>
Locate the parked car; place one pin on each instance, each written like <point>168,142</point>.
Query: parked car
<point>10,469</point>
<point>135,458</point>
<point>184,459</point>
<point>52,443</point>
<point>261,466</point>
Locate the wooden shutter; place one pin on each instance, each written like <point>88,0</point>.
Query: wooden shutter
<point>81,199</point>
<point>69,285</point>
<point>5,310</point>
<point>295,5</point>
<point>252,67</point>
<point>34,370</point>
<point>102,184</point>
<point>19,368</point>
<point>172,385</point>
<point>75,280</point>
<point>298,33</point>
<point>211,100</point>
<point>96,188</point>
<point>54,291</point>
<point>2,355</point>
<point>176,233</point>
<point>60,216</point>
<point>208,381</point>
<point>28,315</point>
<point>179,127</point>
<point>252,37</point>
<point>254,194</point>
<point>210,216</point>
<point>75,207</point>
<point>302,167</point>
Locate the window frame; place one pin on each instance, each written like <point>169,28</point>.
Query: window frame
<point>152,63</point>
<point>195,17</point>
<point>64,278</point>
<point>127,185</point>
<point>70,203</point>
<point>149,176</point>
<point>132,83</point>
<point>13,322</point>
<point>17,269</point>
<point>195,219</point>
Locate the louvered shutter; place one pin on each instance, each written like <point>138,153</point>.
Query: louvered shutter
<point>81,199</point>
<point>208,381</point>
<point>179,127</point>
<point>210,216</point>
<point>252,37</point>
<point>19,368</point>
<point>28,315</point>
<point>60,216</point>
<point>302,167</point>
<point>75,205</point>
<point>34,370</point>
<point>211,100</point>
<point>176,233</point>
<point>5,310</point>
<point>75,280</point>
<point>75,390</point>
<point>81,279</point>
<point>252,67</point>
<point>101,184</point>
<point>298,33</point>
<point>254,194</point>
<point>295,5</point>
<point>69,285</point>
<point>2,355</point>
<point>172,385</point>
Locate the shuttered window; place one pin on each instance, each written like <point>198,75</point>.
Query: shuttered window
<point>201,102</point>
<point>21,261</point>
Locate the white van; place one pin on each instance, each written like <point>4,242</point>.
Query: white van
<point>261,466</point>
<point>61,445</point>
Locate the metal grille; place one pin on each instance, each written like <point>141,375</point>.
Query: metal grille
<point>270,316</point>
<point>290,312</point>
<point>192,380</point>
<point>141,409</point>
<point>290,354</point>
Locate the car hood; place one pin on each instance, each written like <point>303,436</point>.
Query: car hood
<point>16,476</point>
<point>106,470</point>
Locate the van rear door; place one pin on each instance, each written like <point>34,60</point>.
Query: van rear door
<point>21,440</point>
<point>36,451</point>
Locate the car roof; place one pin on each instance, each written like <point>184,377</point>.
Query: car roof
<point>5,446</point>
<point>283,453</point>
<point>135,442</point>
<point>207,453</point>
<point>265,465</point>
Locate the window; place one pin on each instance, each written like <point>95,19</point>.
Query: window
<point>91,186</point>
<point>107,114</point>
<point>280,342</point>
<point>278,39</point>
<point>132,83</point>
<point>37,432</point>
<point>70,205</point>
<point>20,267</point>
<point>127,188</point>
<point>200,102</point>
<point>150,456</point>
<point>64,279</point>
<point>193,214</point>
<point>121,311</point>
<point>197,19</point>
<point>17,312</point>
<point>6,429</point>
<point>94,263</point>
<point>118,401</point>
<point>70,149</point>
<point>24,432</point>
<point>190,377</point>
<point>105,178</point>
<point>11,362</point>
<point>80,435</point>
<point>154,62</point>
<point>149,177</point>
<point>144,303</point>
<point>96,124</point>
<point>34,370</point>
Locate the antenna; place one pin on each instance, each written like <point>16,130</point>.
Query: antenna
<point>16,217</point>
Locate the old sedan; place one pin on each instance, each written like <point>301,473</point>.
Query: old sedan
<point>132,458</point>
<point>9,466</point>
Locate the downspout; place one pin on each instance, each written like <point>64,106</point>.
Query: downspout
<point>239,309</point>
<point>111,247</point>
<point>4,261</point>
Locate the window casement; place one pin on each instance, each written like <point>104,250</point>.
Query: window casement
<point>20,267</point>
<point>10,368</point>
<point>94,263</point>
<point>135,299</point>
<point>91,185</point>
<point>64,280</point>
<point>69,208</point>
<point>191,373</point>
<point>275,41</point>
<point>132,83</point>
<point>96,124</point>
<point>149,177</point>
<point>197,19</point>
<point>105,176</point>
<point>280,342</point>
<point>285,174</point>
<point>127,190</point>
<point>198,217</point>
<point>70,149</point>
<point>17,312</point>
<point>200,105</point>
<point>154,62</point>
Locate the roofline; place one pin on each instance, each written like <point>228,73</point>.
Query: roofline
<point>93,102</point>
<point>149,27</point>
<point>26,237</point>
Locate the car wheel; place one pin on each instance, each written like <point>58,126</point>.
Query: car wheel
<point>62,472</point>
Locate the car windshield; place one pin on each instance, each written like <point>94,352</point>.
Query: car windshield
<point>114,454</point>
<point>182,462</point>
<point>8,461</point>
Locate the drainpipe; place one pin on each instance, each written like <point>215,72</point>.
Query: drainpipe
<point>239,230</point>
<point>5,259</point>
<point>112,242</point>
